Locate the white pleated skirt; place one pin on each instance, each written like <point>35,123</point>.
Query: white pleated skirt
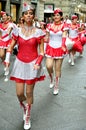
<point>24,72</point>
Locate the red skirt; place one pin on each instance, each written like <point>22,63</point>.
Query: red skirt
<point>5,44</point>
<point>83,40</point>
<point>77,46</point>
<point>54,52</point>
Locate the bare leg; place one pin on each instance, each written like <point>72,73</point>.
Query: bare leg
<point>20,91</point>
<point>58,65</point>
<point>49,66</point>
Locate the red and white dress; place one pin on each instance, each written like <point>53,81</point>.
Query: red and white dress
<point>27,55</point>
<point>6,38</point>
<point>54,47</point>
<point>82,36</point>
<point>74,36</point>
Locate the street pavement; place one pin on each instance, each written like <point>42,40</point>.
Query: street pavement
<point>66,111</point>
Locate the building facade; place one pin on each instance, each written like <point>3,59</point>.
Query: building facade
<point>69,7</point>
<point>45,8</point>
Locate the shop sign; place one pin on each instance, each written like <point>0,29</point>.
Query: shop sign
<point>48,8</point>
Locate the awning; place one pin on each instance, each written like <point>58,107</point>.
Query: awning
<point>48,11</point>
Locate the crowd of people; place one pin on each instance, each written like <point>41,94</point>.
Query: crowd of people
<point>37,42</point>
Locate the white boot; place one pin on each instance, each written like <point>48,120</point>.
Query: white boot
<point>56,90</point>
<point>52,81</point>
<point>72,60</point>
<point>27,122</point>
<point>24,110</point>
<point>69,61</point>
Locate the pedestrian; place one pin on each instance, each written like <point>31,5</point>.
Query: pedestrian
<point>56,49</point>
<point>36,22</point>
<point>20,22</point>
<point>27,69</point>
<point>67,20</point>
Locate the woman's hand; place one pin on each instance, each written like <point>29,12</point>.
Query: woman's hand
<point>64,49</point>
<point>36,67</point>
<point>7,65</point>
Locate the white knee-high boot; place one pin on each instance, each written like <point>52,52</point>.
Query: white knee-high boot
<point>24,109</point>
<point>52,80</point>
<point>72,60</point>
<point>27,123</point>
<point>56,90</point>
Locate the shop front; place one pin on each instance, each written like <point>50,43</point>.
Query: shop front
<point>15,9</point>
<point>48,12</point>
<point>2,5</point>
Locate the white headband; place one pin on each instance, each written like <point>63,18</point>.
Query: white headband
<point>26,7</point>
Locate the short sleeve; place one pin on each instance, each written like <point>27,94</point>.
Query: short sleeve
<point>40,35</point>
<point>65,27</point>
<point>15,32</point>
<point>48,27</point>
<point>10,25</point>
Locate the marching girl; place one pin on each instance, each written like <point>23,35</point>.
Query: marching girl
<point>56,49</point>
<point>27,68</point>
<point>5,29</point>
<point>43,27</point>
<point>73,34</point>
<point>82,35</point>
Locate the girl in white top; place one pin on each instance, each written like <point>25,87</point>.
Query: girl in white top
<point>56,49</point>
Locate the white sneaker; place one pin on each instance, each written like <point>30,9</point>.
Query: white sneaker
<point>5,69</point>
<point>69,61</point>
<point>27,123</point>
<point>51,85</point>
<point>81,55</point>
<point>55,91</point>
<point>6,79</point>
<point>72,63</point>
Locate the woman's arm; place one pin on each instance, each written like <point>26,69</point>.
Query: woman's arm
<point>41,55</point>
<point>8,53</point>
<point>46,37</point>
<point>64,35</point>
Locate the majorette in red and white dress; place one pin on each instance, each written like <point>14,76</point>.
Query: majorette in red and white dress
<point>74,36</point>
<point>27,55</point>
<point>54,47</point>
<point>82,36</point>
<point>6,38</point>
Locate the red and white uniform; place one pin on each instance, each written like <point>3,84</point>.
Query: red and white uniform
<point>74,36</point>
<point>6,38</point>
<point>54,47</point>
<point>83,37</point>
<point>73,31</point>
<point>26,58</point>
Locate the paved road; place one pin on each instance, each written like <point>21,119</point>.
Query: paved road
<point>67,111</point>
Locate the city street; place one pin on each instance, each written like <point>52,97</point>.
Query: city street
<point>66,111</point>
